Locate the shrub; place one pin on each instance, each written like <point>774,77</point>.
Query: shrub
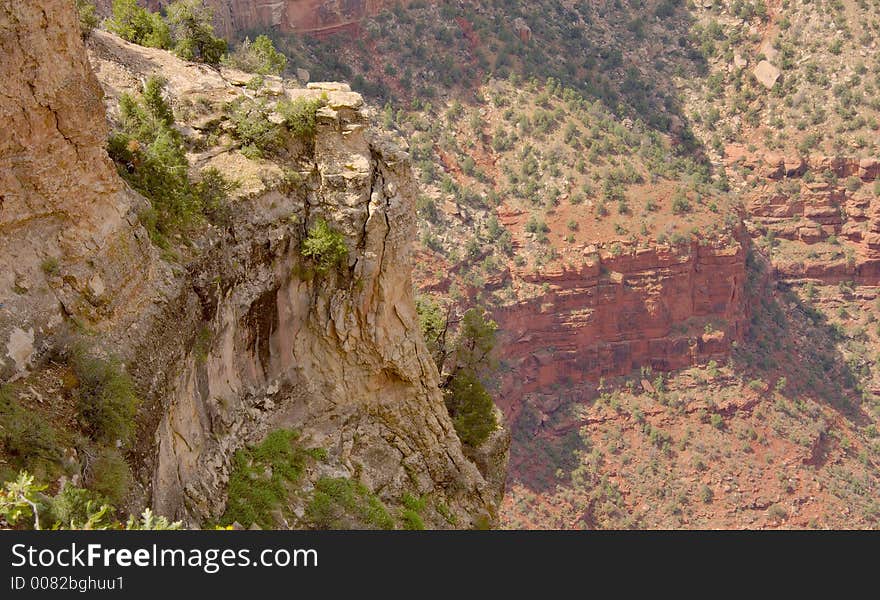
<point>252,494</point>
<point>88,19</point>
<point>255,130</point>
<point>325,246</point>
<point>853,183</point>
<point>411,513</point>
<point>706,494</point>
<point>148,520</point>
<point>75,507</point>
<point>341,503</point>
<point>412,520</point>
<point>109,475</point>
<point>300,116</point>
<point>213,192</point>
<point>138,25</point>
<point>25,436</point>
<point>777,512</point>
<point>193,33</point>
<point>19,500</point>
<point>51,266</point>
<point>106,400</point>
<point>536,225</point>
<point>680,203</point>
<point>470,407</point>
<point>149,154</point>
<point>259,56</point>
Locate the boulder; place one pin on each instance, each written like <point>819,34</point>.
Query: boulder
<point>766,74</point>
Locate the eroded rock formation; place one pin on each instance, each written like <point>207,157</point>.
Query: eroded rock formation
<point>660,308</point>
<point>242,335</point>
<point>69,246</point>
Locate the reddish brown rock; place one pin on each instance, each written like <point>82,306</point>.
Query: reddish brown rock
<point>869,169</point>
<point>655,307</point>
<point>300,16</point>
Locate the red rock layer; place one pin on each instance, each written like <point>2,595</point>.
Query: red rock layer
<point>837,203</point>
<point>657,307</point>
<point>233,17</point>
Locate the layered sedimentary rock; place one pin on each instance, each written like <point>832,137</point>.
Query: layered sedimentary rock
<point>658,307</point>
<point>68,244</point>
<point>338,357</point>
<point>231,17</point>
<point>824,207</point>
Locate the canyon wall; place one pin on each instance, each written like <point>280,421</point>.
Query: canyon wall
<point>659,307</point>
<point>69,242</point>
<point>820,211</point>
<point>233,17</point>
<point>234,333</point>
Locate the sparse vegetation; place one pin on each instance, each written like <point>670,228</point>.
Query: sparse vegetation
<point>325,246</point>
<point>106,400</point>
<point>258,56</point>
<point>260,479</point>
<point>340,503</point>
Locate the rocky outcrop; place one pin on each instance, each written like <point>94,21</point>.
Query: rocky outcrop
<point>658,307</point>
<point>293,16</point>
<point>338,357</point>
<point>239,334</point>
<point>69,242</point>
<point>825,209</point>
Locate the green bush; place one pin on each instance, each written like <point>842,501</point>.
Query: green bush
<point>213,191</point>
<point>26,437</point>
<point>24,504</point>
<point>19,500</point>
<point>192,31</point>
<point>51,266</point>
<point>149,154</point>
<point>259,56</point>
<point>88,19</point>
<point>252,494</point>
<point>470,407</point>
<point>680,203</point>
<point>411,513</point>
<point>106,400</point>
<point>259,136</point>
<point>139,25</point>
<point>109,475</point>
<point>300,116</point>
<point>340,503</point>
<point>74,507</point>
<point>325,246</point>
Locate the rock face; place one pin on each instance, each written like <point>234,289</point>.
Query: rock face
<point>297,16</point>
<point>244,336</point>
<point>658,308</point>
<point>829,218</point>
<point>67,242</point>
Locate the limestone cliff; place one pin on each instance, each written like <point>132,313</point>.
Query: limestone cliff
<point>239,337</point>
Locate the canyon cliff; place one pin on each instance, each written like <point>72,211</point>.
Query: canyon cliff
<point>317,17</point>
<point>235,336</point>
<point>660,308</point>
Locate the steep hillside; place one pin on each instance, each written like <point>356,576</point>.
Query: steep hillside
<point>274,362</point>
<point>668,208</point>
<point>642,190</point>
